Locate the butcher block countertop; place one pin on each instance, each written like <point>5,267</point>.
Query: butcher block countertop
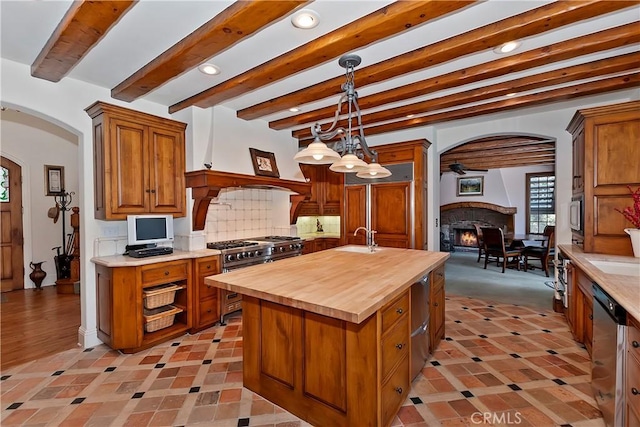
<point>338,283</point>
<point>127,261</point>
<point>624,288</point>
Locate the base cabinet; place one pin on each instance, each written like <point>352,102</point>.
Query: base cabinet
<point>123,320</point>
<point>436,300</point>
<point>207,298</point>
<point>320,244</point>
<point>632,376</point>
<point>325,370</point>
<point>579,313</point>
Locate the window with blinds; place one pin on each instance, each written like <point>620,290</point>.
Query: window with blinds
<point>541,202</point>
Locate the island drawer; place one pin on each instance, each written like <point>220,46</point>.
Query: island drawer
<point>437,276</point>
<point>395,345</point>
<point>633,338</point>
<point>168,272</point>
<point>394,311</point>
<point>394,391</point>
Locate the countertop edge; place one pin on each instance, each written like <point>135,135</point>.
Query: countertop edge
<point>127,261</point>
<point>610,283</point>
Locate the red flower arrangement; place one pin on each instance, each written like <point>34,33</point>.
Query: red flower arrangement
<point>633,215</point>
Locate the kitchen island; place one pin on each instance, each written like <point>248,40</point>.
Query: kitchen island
<point>326,336</point>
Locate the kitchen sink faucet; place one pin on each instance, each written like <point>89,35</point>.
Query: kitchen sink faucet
<point>371,243</point>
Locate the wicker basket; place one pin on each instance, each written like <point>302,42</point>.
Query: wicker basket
<point>159,318</point>
<point>160,295</point>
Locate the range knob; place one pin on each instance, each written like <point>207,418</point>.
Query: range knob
<point>251,254</point>
<point>240,255</point>
<point>258,253</point>
<point>230,257</point>
<point>281,249</point>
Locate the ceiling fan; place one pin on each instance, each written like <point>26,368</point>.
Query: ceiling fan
<point>461,169</point>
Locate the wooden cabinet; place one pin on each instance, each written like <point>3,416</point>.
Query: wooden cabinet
<point>139,163</point>
<point>328,371</point>
<point>632,376</point>
<point>605,163</point>
<point>320,244</point>
<point>397,206</point>
<point>120,309</point>
<point>436,301</point>
<point>206,298</point>
<point>326,191</point>
<point>579,313</point>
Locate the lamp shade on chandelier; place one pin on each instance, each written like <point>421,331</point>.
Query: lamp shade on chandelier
<point>348,154</point>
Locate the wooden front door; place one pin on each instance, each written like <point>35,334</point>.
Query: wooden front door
<point>11,241</point>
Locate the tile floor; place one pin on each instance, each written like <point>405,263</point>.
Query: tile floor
<point>500,364</point>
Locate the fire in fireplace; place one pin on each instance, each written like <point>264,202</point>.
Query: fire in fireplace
<point>465,237</point>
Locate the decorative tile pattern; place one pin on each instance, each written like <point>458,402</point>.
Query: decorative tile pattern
<point>499,365</point>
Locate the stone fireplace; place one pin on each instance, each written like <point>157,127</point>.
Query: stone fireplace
<point>457,231</point>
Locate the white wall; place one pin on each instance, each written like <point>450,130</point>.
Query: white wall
<point>33,143</point>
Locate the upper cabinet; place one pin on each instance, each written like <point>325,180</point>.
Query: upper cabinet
<point>139,163</point>
<point>327,188</point>
<point>605,163</point>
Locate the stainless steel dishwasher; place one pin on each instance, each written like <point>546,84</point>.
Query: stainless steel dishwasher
<point>419,325</point>
<point>607,359</point>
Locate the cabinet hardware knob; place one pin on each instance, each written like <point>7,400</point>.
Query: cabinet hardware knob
<point>166,273</point>
<point>147,191</point>
<point>435,304</point>
<point>209,311</point>
<point>399,390</point>
<point>634,391</point>
<point>400,346</point>
<point>208,267</point>
<point>591,317</point>
<point>635,344</point>
<point>399,311</point>
<point>153,191</point>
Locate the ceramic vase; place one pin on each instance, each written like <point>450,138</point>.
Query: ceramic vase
<point>634,233</point>
<point>37,274</point>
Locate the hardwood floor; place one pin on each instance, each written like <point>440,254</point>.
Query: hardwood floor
<point>34,324</point>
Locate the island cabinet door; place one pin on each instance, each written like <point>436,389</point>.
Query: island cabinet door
<point>322,369</point>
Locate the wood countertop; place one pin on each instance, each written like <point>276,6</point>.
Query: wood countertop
<point>127,261</point>
<point>345,285</point>
<point>624,289</point>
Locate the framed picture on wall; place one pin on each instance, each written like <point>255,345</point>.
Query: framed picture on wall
<point>53,180</point>
<point>470,186</point>
<point>264,163</point>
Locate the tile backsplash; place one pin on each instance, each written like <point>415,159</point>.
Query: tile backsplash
<point>243,213</point>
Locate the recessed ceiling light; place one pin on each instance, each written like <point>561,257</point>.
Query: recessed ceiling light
<point>507,47</point>
<point>210,69</point>
<point>410,116</point>
<point>511,94</point>
<point>305,19</point>
<point>294,109</point>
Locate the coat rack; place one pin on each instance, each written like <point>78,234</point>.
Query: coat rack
<point>68,262</point>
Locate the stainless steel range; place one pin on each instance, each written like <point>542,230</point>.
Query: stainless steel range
<point>244,253</point>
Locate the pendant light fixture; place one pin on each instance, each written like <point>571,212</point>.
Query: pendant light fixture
<point>349,152</point>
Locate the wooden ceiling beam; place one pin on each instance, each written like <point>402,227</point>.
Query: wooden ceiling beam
<point>527,24</point>
<point>604,40</point>
<point>513,164</point>
<point>610,84</point>
<point>487,145</point>
<point>387,21</point>
<point>234,24</point>
<point>81,28</point>
<point>550,78</point>
<point>449,158</point>
<point>494,163</point>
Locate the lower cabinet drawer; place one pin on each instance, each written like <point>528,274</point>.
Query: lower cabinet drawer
<point>209,311</point>
<point>395,391</point>
<point>395,310</point>
<point>205,291</point>
<point>632,386</point>
<point>395,346</point>
<point>633,339</point>
<point>165,273</point>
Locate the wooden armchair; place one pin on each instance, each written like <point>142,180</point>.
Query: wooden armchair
<point>543,253</point>
<point>480,241</point>
<point>494,248</point>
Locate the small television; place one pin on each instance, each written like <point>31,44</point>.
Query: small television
<point>149,229</point>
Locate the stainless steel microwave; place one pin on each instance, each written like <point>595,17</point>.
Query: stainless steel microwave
<point>576,214</point>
